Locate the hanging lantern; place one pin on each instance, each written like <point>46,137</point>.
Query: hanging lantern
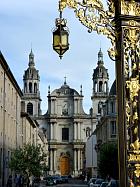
<point>60,37</point>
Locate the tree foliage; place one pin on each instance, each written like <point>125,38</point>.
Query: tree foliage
<point>108,160</point>
<point>30,159</point>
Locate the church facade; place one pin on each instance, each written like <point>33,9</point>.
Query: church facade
<point>66,124</point>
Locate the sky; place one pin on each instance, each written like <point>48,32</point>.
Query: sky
<point>29,24</point>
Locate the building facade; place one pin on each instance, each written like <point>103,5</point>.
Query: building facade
<point>10,108</point>
<point>65,122</point>
<point>106,130</point>
<point>91,156</point>
<point>68,128</point>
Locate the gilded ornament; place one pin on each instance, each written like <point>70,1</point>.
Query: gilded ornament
<point>127,113</point>
<point>130,8</point>
<point>136,146</point>
<point>133,157</point>
<point>91,14</point>
<point>135,116</point>
<point>137,171</point>
<point>133,85</point>
<point>136,130</point>
<point>62,5</point>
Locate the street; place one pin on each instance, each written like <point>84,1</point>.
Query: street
<point>71,183</point>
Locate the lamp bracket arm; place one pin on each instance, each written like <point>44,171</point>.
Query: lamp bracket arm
<point>92,15</point>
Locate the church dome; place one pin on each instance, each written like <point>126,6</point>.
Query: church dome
<point>31,73</point>
<point>100,72</point>
<point>113,89</point>
<point>65,90</point>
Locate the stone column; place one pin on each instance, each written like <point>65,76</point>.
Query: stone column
<point>55,130</point>
<point>75,108</point>
<point>79,130</point>
<point>51,103</point>
<point>51,160</point>
<point>54,106</point>
<point>79,160</point>
<point>78,106</point>
<point>97,85</point>
<point>54,160</point>
<point>75,130</point>
<point>51,129</point>
<point>75,160</point>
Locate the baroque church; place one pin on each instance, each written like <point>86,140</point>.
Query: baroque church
<point>65,123</point>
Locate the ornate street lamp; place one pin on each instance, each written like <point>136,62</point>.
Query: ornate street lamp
<point>60,36</point>
<point>121,24</point>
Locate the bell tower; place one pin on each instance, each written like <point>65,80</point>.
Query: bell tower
<point>31,94</point>
<point>100,85</point>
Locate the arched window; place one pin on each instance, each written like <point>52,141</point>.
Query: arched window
<point>99,107</point>
<point>30,108</point>
<point>100,86</point>
<point>112,107</point>
<point>95,86</point>
<point>35,87</point>
<point>105,86</point>
<point>88,132</point>
<point>30,87</point>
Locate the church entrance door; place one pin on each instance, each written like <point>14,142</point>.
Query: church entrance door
<point>65,165</point>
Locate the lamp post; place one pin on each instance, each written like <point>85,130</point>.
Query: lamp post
<point>121,24</point>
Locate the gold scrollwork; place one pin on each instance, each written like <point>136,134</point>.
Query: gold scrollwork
<point>91,14</point>
<point>127,113</point>
<point>137,171</point>
<point>130,8</point>
<point>135,145</point>
<point>133,158</point>
<point>134,87</point>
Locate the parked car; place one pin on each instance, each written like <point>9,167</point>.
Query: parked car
<point>49,178</point>
<point>46,182</point>
<point>64,179</point>
<point>113,183</point>
<point>104,184</point>
<point>58,179</point>
<point>49,182</point>
<point>91,180</point>
<point>98,182</point>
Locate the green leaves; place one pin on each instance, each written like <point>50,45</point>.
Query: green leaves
<point>108,160</point>
<point>30,159</point>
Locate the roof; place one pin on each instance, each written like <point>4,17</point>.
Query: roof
<point>65,90</point>
<point>100,71</point>
<point>113,88</point>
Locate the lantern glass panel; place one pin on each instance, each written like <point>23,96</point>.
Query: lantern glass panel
<point>56,40</point>
<point>64,39</point>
